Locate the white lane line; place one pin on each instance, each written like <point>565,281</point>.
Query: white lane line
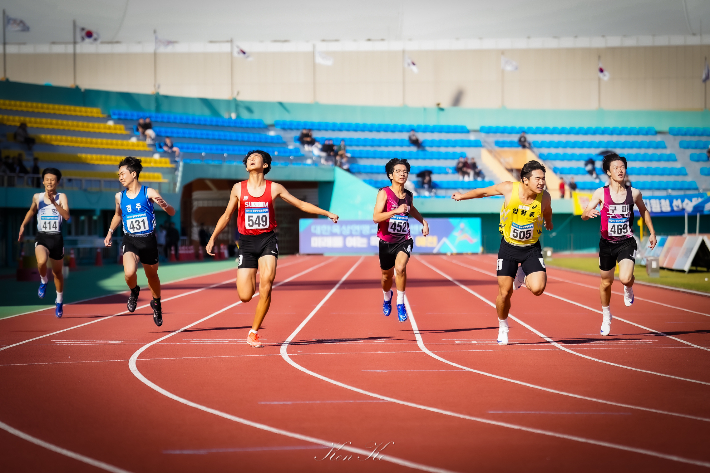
<point>621,293</point>
<point>551,341</point>
<point>589,308</point>
<point>60,450</point>
<point>287,358</point>
<point>563,413</point>
<point>205,451</point>
<point>257,425</point>
<point>125,311</point>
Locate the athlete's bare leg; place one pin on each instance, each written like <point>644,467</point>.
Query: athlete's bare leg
<point>400,266</point>
<point>151,272</point>
<point>246,283</point>
<point>57,265</point>
<point>626,272</point>
<point>536,282</point>
<point>605,287</point>
<point>505,292</point>
<point>42,255</point>
<point>130,266</point>
<point>267,274</point>
<point>387,276</point>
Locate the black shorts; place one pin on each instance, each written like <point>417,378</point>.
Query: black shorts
<point>144,246</point>
<point>253,247</point>
<point>510,256</point>
<point>611,253</point>
<point>389,252</point>
<point>54,242</point>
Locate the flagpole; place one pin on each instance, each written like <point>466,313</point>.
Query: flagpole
<point>231,68</point>
<point>74,48</point>
<point>155,61</point>
<point>4,53</point>
<point>314,72</point>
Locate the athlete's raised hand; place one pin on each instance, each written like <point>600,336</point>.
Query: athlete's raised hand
<point>333,217</point>
<point>457,196</point>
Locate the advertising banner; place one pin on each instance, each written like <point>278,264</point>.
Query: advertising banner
<point>446,235</point>
<point>659,206</point>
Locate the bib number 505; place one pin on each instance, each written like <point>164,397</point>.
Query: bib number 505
<point>521,234</point>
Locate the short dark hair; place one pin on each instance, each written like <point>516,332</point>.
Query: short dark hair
<point>53,171</point>
<point>265,156</point>
<point>529,167</point>
<point>389,167</point>
<point>610,158</point>
<point>133,165</point>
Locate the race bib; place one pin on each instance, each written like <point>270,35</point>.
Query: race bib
<point>618,227</point>
<point>256,218</point>
<point>137,223</point>
<point>521,232</point>
<point>49,223</point>
<point>398,224</point>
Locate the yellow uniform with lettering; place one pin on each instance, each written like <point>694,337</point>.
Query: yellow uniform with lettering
<point>521,224</point>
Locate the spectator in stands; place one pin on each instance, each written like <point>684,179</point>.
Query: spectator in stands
<point>414,140</point>
<point>316,151</point>
<point>342,151</point>
<point>707,152</point>
<point>148,131</point>
<point>160,237</point>
<point>22,136</point>
<point>590,167</point>
<point>173,241</point>
<point>329,149</point>
<point>477,173</point>
<point>36,171</point>
<point>425,180</point>
<point>18,167</point>
<point>203,236</point>
<point>523,141</point>
<point>463,169</point>
<point>141,127</point>
<point>306,138</point>
<point>572,186</point>
<point>170,148</point>
<point>345,163</point>
<point>562,188</point>
<point>6,167</point>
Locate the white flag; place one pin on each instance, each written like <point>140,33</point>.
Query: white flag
<point>409,64</point>
<point>323,59</point>
<point>162,42</point>
<point>603,75</point>
<point>15,24</point>
<point>89,36</point>
<point>508,64</point>
<point>239,52</point>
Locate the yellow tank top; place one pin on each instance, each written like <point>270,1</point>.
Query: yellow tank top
<point>521,224</point>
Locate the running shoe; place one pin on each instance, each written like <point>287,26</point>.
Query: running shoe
<point>133,300</point>
<point>628,296</point>
<point>157,312</point>
<point>606,325</point>
<point>402,312</point>
<point>502,332</point>
<point>253,340</point>
<point>387,306</point>
<point>519,279</point>
<point>42,289</point>
<point>59,311</point>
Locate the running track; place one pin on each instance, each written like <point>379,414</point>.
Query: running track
<point>100,391</point>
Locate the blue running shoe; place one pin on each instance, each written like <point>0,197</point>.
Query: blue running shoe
<point>387,306</point>
<point>59,311</point>
<point>402,312</point>
<point>42,289</point>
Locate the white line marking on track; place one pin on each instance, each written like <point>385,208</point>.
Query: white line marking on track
<point>549,340</point>
<point>287,358</point>
<point>205,451</point>
<point>562,413</point>
<point>60,450</point>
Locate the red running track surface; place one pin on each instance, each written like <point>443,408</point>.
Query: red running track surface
<point>435,393</point>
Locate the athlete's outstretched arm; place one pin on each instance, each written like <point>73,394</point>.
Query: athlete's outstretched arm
<point>646,215</point>
<point>28,216</point>
<point>226,216</point>
<point>502,188</point>
<point>415,213</point>
<point>279,190</point>
<point>547,209</point>
<point>380,215</point>
<point>155,197</point>
<point>115,221</point>
<point>591,210</point>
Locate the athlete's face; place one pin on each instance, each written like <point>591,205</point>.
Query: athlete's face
<point>536,181</point>
<point>50,182</point>
<point>256,162</point>
<point>617,171</point>
<point>400,174</point>
<point>125,177</point>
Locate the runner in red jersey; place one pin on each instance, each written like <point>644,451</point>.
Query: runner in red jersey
<point>258,249</point>
<point>392,210</point>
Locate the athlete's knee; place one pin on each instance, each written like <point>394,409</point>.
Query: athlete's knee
<point>537,290</point>
<point>265,287</point>
<point>505,293</point>
<point>245,297</point>
<point>626,279</point>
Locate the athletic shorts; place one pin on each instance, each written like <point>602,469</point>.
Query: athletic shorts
<point>253,247</point>
<point>510,256</point>
<point>145,247</point>
<point>389,252</point>
<point>54,242</point>
<point>611,253</point>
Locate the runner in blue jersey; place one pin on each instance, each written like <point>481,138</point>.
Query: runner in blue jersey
<point>134,208</point>
<point>52,208</point>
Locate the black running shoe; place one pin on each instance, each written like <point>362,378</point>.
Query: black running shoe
<point>157,312</point>
<point>133,299</point>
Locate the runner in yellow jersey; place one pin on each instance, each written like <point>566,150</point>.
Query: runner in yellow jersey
<point>525,210</point>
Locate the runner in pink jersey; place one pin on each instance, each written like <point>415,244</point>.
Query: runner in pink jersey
<point>392,210</point>
<point>617,243</point>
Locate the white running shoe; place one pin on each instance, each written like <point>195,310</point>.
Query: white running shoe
<point>502,332</point>
<point>628,295</point>
<point>606,325</point>
<point>519,279</point>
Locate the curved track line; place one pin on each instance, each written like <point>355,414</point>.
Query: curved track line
<point>257,425</point>
<point>287,358</point>
<point>590,308</point>
<point>61,451</point>
<point>621,294</point>
<point>551,341</point>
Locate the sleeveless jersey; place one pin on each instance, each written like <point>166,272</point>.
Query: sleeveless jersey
<point>256,214</point>
<point>48,218</point>
<point>138,213</point>
<point>396,228</point>
<point>617,219</point>
<point>521,224</point>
